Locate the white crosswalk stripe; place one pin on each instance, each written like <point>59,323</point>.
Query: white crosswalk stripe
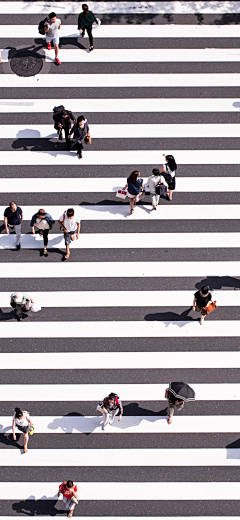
<point>117,316</point>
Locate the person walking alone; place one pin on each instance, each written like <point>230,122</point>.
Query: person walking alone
<point>169,173</point>
<point>24,424</point>
<point>201,300</point>
<point>70,495</point>
<point>13,217</point>
<point>51,28</point>
<point>135,189</point>
<point>85,21</point>
<point>172,403</point>
<point>152,182</point>
<point>111,406</point>
<point>80,133</point>
<point>70,224</point>
<point>42,222</point>
<point>20,302</point>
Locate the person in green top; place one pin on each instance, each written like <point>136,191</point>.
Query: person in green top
<point>85,21</point>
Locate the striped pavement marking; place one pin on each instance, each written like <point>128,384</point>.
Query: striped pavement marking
<point>106,185</point>
<point>123,105</point>
<point>129,424</point>
<point>120,329</point>
<point>121,80</point>
<point>129,457</point>
<point>79,299</point>
<point>222,272</point>
<point>125,491</point>
<point>145,55</point>
<point>126,360</point>
<point>134,518</point>
<point>127,31</point>
<point>128,241</point>
<point>135,131</point>
<point>128,392</point>
<point>118,157</point>
<point>121,212</point>
<point>172,7</point>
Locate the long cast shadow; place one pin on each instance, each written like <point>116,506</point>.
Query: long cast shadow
<point>42,507</point>
<point>170,316</point>
<point>218,282</point>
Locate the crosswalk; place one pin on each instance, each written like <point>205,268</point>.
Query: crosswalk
<point>117,316</point>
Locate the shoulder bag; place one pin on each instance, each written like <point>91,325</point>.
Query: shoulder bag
<point>211,307</point>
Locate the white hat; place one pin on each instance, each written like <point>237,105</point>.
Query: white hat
<point>18,298</point>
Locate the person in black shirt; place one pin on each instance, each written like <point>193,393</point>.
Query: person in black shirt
<point>201,300</point>
<point>80,133</point>
<point>13,217</point>
<point>63,121</point>
<point>172,403</point>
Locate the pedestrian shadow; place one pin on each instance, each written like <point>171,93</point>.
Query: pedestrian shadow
<point>6,439</point>
<point>45,506</point>
<point>218,282</point>
<point>233,450</point>
<point>9,315</point>
<point>113,207</point>
<point>70,422</point>
<point>2,228</point>
<point>170,317</point>
<point>133,409</point>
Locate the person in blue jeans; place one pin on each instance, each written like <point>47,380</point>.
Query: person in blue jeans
<point>135,188</point>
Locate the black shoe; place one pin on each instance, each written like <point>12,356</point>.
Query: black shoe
<point>60,137</point>
<point>80,155</point>
<point>19,319</point>
<point>18,247</point>
<point>91,49</point>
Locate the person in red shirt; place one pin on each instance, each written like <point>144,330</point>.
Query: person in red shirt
<point>70,495</point>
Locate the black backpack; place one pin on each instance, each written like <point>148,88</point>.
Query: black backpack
<point>41,26</point>
<point>168,178</point>
<point>57,111</point>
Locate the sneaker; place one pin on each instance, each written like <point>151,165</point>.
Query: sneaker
<point>58,61</point>
<point>18,247</point>
<point>111,421</point>
<point>49,46</point>
<point>19,319</point>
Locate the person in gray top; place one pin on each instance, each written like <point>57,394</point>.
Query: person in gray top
<point>51,29</point>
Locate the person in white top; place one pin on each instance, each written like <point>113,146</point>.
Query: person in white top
<point>152,183</point>
<point>22,420</point>
<point>169,169</point>
<point>70,224</point>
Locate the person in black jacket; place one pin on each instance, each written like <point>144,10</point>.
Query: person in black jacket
<point>201,300</point>
<point>85,21</point>
<point>63,121</point>
<point>80,133</point>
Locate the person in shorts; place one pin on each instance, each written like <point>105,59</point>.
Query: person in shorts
<point>173,402</point>
<point>70,495</point>
<point>70,223</point>
<point>23,422</point>
<point>51,29</point>
<point>201,299</point>
<point>13,217</point>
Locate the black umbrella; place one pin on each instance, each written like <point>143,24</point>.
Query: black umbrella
<point>182,391</point>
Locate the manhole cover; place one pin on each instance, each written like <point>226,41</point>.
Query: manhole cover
<point>26,64</point>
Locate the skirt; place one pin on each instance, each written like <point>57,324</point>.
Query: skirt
<point>24,429</point>
<point>172,186</point>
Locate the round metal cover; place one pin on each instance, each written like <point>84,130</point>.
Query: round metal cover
<point>26,64</point>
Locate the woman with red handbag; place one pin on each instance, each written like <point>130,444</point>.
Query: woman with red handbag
<point>202,301</point>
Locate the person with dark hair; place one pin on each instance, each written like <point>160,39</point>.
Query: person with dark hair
<point>42,222</point>
<point>169,173</point>
<point>63,121</point>
<point>85,21</point>
<point>21,302</point>
<point>202,298</point>
<point>70,224</point>
<point>172,403</point>
<point>22,420</point>
<point>51,28</point>
<point>136,189</point>
<point>13,217</point>
<point>111,406</point>
<point>152,182</point>
<point>80,133</point>
<point>69,491</point>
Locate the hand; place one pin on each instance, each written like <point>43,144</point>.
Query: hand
<point>77,236</point>
<point>59,493</point>
<point>120,418</point>
<point>7,231</point>
<point>60,125</point>
<point>193,308</point>
<point>81,30</point>
<point>164,155</point>
<point>33,231</point>
<point>14,437</point>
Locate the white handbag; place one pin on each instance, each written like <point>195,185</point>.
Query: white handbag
<point>98,21</point>
<point>99,408</point>
<point>121,194</point>
<point>74,499</point>
<point>35,307</point>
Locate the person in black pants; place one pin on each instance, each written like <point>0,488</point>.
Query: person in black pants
<point>42,222</point>
<point>85,21</point>
<point>80,133</point>
<point>63,121</point>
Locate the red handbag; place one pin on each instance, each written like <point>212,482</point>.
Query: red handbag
<point>211,307</point>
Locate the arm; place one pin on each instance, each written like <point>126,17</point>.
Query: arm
<point>121,409</point>
<point>166,394</point>
<point>59,490</point>
<point>125,187</point>
<point>5,224</point>
<point>46,29</point>
<point>78,229</point>
<point>21,216</point>
<point>13,429</point>
<point>59,27</point>
<point>75,493</point>
<point>194,303</point>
